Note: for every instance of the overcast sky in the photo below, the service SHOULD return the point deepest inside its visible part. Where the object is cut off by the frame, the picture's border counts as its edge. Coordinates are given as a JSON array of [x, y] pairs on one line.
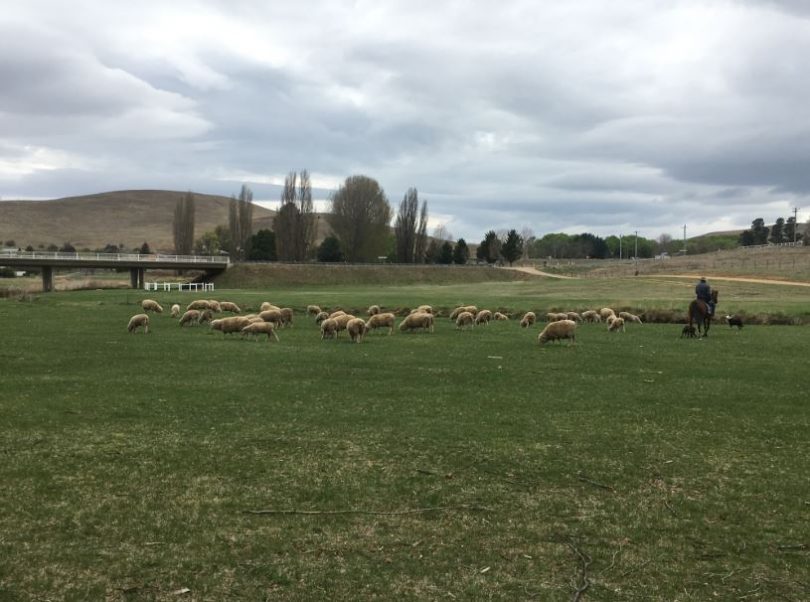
[[582, 115]]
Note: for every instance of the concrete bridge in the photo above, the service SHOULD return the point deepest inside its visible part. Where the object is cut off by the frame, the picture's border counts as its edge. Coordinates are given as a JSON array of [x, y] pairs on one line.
[[137, 263]]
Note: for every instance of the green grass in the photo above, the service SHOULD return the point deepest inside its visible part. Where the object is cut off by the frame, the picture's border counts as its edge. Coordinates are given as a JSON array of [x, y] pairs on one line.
[[678, 466]]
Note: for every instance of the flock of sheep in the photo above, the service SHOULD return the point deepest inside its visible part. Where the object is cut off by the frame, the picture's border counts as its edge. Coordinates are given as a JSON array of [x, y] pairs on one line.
[[270, 318]]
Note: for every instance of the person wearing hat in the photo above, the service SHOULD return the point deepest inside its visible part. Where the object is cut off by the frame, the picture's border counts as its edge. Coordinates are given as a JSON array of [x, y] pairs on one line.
[[704, 293]]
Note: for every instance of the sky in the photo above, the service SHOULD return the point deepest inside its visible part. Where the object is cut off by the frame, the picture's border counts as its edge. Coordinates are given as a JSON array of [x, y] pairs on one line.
[[577, 116]]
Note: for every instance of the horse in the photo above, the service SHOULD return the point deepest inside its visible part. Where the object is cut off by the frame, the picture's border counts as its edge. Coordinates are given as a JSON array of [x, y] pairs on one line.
[[699, 314]]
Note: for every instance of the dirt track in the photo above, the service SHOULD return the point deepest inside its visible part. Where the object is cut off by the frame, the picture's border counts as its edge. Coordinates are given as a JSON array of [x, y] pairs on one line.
[[536, 272]]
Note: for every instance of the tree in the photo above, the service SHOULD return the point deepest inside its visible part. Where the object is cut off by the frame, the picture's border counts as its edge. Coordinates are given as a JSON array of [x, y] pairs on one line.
[[405, 227], [441, 232], [461, 253], [240, 222], [10, 243], [490, 247], [512, 247], [29, 248], [527, 234], [778, 232], [445, 253], [329, 250], [145, 250], [790, 230], [664, 241], [432, 252], [360, 216], [294, 224], [760, 231], [420, 245], [207, 244], [66, 248], [183, 225], [263, 246], [746, 238]]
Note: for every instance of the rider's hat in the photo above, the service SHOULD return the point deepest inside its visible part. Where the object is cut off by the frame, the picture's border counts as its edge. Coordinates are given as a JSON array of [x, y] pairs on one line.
[[703, 278]]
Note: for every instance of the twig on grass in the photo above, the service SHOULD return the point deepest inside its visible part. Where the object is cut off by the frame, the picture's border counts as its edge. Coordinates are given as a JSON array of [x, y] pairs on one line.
[[582, 477], [585, 560], [791, 546], [374, 512]]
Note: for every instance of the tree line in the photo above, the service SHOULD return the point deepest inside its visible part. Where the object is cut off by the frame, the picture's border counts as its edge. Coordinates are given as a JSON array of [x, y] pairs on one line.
[[782, 231]]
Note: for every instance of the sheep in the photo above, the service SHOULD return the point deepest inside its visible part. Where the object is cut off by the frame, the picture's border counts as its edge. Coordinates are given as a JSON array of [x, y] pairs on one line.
[[628, 317], [373, 310], [137, 321], [483, 317], [557, 331], [230, 325], [572, 315], [462, 308], [337, 313], [605, 312], [256, 319], [272, 315], [528, 319], [321, 317], [499, 316], [230, 307], [260, 327], [356, 328], [734, 320], [287, 314], [425, 308], [192, 317], [151, 305], [198, 304], [591, 316], [556, 317], [214, 306], [268, 306], [206, 315], [313, 310], [417, 320], [463, 319], [328, 328], [609, 319], [342, 321], [381, 321], [175, 311], [616, 325]]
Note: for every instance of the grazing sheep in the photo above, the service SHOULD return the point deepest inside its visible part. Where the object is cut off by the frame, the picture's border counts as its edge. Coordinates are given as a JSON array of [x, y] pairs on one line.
[[198, 304], [192, 317], [337, 313], [151, 305], [373, 310], [499, 316], [628, 317], [556, 317], [428, 309], [356, 328], [616, 324], [321, 317], [214, 306], [381, 321], [469, 308], [273, 315], [268, 306], [231, 307], [342, 321], [689, 331], [463, 319], [261, 327], [557, 331], [734, 320], [206, 315], [417, 320], [483, 317], [591, 316], [230, 325], [287, 314], [313, 310], [572, 315], [605, 312], [528, 319], [329, 328], [137, 321], [175, 310], [256, 319]]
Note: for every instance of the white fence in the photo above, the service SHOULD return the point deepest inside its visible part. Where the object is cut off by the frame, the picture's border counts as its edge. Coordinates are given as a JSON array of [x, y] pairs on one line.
[[156, 257], [180, 286]]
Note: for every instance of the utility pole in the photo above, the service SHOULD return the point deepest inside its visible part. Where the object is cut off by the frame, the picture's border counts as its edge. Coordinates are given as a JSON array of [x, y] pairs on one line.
[[684, 239], [635, 252]]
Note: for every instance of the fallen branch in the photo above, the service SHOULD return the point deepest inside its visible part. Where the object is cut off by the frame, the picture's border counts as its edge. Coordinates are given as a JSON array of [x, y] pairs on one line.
[[791, 546], [585, 479], [373, 512], [586, 561]]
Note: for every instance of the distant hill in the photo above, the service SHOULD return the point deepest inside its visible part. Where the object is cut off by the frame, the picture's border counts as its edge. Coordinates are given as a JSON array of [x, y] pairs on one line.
[[127, 217]]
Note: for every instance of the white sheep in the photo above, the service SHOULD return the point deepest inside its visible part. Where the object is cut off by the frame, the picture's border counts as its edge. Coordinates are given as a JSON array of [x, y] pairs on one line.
[[229, 325], [628, 317], [373, 310], [616, 324], [230, 307], [313, 310], [605, 312], [192, 317], [273, 315], [498, 316], [528, 319], [356, 328], [572, 315], [214, 306], [336, 313], [206, 315], [342, 321], [463, 319], [287, 314], [175, 310], [591, 316], [261, 327], [557, 331], [137, 321], [428, 309], [556, 317], [417, 320], [198, 304], [329, 328], [483, 317], [469, 308], [321, 317], [266, 306], [151, 305], [381, 321]]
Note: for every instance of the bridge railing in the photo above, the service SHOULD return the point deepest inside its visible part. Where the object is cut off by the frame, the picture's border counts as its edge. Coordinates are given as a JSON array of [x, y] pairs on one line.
[[156, 257]]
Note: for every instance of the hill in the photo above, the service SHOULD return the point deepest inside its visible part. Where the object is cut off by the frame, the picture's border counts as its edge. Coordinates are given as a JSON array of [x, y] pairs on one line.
[[127, 217]]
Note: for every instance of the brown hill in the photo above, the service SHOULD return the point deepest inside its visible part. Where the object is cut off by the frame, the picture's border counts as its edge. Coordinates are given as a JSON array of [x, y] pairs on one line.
[[127, 217]]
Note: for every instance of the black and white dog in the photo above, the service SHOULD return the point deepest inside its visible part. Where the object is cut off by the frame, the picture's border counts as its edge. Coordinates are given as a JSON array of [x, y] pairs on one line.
[[734, 321]]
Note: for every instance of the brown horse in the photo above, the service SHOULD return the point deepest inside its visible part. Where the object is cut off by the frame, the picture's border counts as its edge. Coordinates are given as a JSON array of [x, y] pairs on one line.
[[699, 314]]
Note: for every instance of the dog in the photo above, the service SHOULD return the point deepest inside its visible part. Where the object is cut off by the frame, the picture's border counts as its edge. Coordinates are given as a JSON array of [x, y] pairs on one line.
[[734, 321], [690, 332]]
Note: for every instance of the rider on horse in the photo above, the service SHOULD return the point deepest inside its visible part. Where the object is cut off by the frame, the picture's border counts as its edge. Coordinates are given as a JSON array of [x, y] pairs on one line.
[[704, 293]]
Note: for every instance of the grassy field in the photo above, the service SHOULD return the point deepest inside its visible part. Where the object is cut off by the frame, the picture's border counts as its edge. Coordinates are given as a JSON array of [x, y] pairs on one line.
[[454, 465]]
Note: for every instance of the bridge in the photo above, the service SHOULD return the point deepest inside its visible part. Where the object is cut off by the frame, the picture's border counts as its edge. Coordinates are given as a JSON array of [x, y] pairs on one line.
[[137, 263]]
